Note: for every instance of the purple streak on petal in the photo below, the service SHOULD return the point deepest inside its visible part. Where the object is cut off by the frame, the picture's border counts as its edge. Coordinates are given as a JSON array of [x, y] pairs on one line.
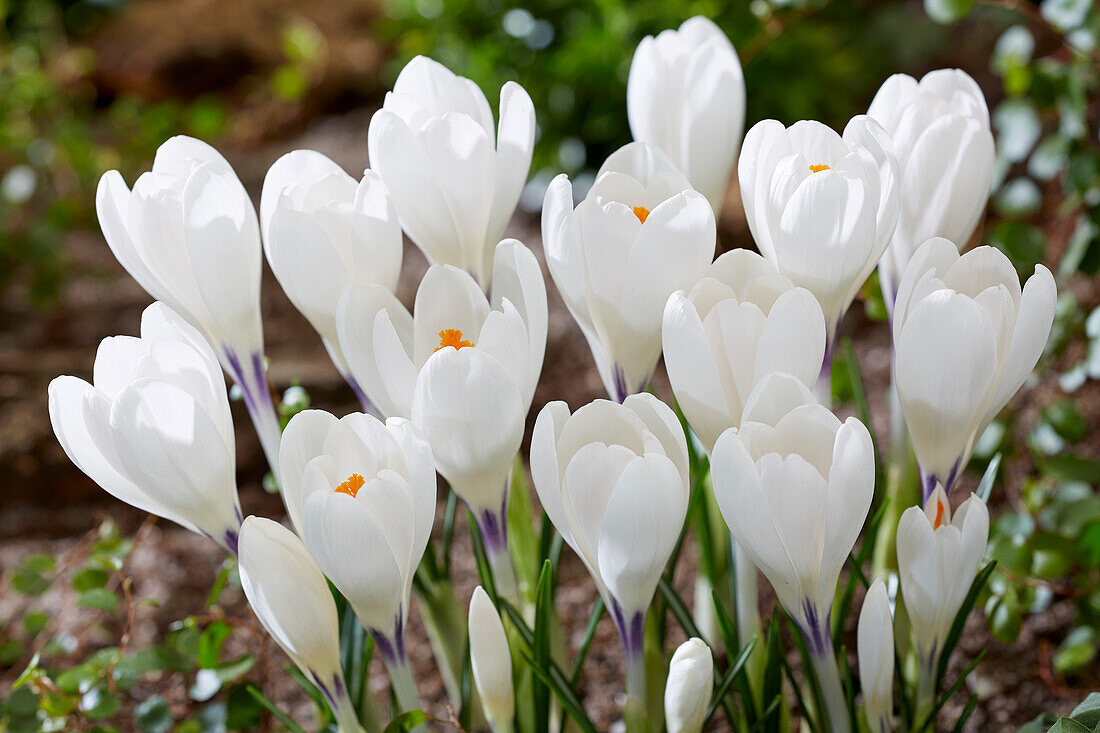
[[816, 629], [631, 631], [364, 400], [621, 390], [494, 527], [392, 647], [322, 686], [231, 540]]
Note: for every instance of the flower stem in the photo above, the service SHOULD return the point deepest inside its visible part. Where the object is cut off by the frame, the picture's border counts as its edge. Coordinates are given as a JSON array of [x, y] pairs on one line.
[[815, 629], [832, 692], [631, 627], [403, 684], [926, 690]]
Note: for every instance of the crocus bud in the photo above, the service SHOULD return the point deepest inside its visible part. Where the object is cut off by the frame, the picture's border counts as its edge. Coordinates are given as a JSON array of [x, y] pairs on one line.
[[491, 661], [640, 235], [454, 182], [686, 95], [875, 647], [966, 336], [820, 206], [690, 683], [738, 324], [794, 485], [938, 558], [324, 231], [614, 481], [154, 428], [290, 596], [188, 234], [940, 131]]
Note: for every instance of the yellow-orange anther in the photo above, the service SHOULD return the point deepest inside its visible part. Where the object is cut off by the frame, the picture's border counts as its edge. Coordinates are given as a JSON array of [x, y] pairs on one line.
[[939, 514], [641, 212], [351, 486], [452, 337], [818, 168]]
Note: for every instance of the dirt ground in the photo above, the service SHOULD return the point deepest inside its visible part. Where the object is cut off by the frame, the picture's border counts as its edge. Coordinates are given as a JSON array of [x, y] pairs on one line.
[[46, 505]]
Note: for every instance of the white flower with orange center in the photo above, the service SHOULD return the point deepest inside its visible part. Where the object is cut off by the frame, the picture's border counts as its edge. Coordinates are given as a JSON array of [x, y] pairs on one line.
[[821, 206], [462, 369], [640, 235], [939, 553], [361, 493]]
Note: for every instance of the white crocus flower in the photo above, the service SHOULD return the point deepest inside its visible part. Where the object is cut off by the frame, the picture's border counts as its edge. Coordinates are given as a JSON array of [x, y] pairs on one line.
[[614, 481], [966, 337], [940, 130], [686, 95], [324, 231], [491, 662], [875, 647], [454, 182], [739, 323], [938, 559], [361, 493], [154, 428], [291, 598], [794, 485], [640, 235], [188, 234], [690, 683], [462, 370], [821, 206]]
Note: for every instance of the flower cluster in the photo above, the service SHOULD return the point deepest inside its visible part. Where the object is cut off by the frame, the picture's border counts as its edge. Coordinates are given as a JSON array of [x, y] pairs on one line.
[[747, 341]]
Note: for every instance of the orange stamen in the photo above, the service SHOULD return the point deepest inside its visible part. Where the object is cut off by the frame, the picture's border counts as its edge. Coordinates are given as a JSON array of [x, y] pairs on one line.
[[939, 514], [452, 337], [351, 486], [818, 168], [641, 212]]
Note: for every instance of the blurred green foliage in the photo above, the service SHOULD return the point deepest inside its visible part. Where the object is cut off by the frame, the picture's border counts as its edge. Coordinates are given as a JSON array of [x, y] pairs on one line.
[[57, 136], [809, 59]]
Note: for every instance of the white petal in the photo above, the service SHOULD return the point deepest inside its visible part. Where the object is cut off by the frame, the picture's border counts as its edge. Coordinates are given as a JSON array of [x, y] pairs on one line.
[[302, 441], [645, 513], [470, 411]]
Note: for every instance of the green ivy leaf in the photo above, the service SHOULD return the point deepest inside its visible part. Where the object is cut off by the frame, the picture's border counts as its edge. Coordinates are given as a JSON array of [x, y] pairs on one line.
[[100, 598], [406, 722], [210, 644], [1088, 712], [90, 578], [99, 702], [153, 715]]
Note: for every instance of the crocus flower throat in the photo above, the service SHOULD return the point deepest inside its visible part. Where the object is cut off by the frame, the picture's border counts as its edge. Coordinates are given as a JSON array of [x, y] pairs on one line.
[[452, 337], [351, 485]]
